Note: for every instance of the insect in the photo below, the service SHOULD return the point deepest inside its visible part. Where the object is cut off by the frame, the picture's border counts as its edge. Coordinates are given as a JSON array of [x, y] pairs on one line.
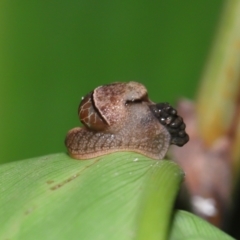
[[121, 117]]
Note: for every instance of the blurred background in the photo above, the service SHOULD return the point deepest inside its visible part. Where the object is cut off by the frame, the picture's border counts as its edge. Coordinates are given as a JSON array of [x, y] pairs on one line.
[[54, 52]]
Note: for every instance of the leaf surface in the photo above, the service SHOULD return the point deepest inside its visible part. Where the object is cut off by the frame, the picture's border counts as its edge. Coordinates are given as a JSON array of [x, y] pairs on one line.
[[119, 196]]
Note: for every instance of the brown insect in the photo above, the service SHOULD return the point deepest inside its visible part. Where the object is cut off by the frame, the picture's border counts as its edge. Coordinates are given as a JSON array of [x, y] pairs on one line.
[[121, 117]]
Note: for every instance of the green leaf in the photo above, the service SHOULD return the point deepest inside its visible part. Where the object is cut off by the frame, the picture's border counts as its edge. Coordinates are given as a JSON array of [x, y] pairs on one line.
[[187, 226], [118, 196]]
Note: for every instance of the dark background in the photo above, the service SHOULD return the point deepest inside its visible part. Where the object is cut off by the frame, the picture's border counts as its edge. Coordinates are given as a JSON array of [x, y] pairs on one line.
[[54, 52]]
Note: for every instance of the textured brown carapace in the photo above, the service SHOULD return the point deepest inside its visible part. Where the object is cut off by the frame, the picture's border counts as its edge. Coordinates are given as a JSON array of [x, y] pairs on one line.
[[120, 117]]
